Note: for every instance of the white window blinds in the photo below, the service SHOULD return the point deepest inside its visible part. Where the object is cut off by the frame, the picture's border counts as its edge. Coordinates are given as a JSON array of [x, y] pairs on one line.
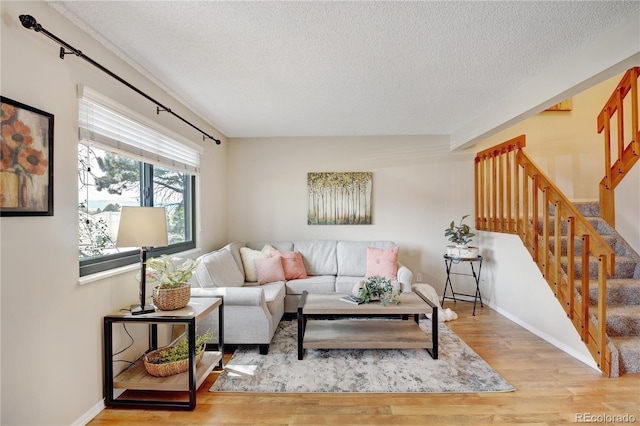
[[116, 128]]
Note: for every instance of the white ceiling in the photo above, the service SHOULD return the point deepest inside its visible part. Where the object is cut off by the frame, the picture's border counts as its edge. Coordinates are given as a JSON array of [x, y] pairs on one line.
[[262, 69]]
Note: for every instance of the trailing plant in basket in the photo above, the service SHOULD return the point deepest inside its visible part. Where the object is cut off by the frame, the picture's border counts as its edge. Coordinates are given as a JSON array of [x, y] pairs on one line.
[[461, 234], [168, 273], [180, 351], [378, 287]]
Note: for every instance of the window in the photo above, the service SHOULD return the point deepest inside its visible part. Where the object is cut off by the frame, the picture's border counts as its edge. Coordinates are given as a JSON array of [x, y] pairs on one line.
[[122, 161]]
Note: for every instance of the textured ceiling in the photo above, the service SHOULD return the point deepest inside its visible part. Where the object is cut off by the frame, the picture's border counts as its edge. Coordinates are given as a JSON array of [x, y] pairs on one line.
[[259, 69]]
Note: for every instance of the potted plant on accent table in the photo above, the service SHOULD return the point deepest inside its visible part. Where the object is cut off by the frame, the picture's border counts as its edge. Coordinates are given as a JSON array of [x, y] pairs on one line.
[[460, 235], [173, 291]]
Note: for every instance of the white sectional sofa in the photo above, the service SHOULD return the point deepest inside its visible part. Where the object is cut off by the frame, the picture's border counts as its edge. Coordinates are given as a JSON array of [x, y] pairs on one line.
[[252, 311]]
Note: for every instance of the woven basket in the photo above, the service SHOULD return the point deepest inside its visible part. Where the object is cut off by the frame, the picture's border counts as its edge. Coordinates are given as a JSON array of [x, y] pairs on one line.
[[169, 299], [169, 368]]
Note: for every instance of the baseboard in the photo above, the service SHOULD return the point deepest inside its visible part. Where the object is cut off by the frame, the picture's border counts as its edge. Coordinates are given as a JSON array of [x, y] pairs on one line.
[[89, 415], [544, 336]]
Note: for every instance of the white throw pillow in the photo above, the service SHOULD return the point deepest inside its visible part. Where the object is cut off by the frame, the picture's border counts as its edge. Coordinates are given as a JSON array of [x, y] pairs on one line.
[[248, 260]]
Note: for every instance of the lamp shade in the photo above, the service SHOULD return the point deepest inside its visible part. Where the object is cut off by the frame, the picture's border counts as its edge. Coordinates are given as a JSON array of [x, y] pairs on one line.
[[142, 227]]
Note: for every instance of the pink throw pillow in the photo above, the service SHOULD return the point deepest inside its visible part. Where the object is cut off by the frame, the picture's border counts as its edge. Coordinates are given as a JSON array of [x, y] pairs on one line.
[[292, 264], [269, 269], [382, 262]]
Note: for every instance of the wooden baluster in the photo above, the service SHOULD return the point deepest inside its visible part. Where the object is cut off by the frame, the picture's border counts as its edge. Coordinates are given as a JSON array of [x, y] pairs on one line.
[[535, 225], [557, 250], [620, 144], [509, 166], [602, 308], [635, 135], [585, 288], [571, 252], [501, 191], [516, 183], [545, 235]]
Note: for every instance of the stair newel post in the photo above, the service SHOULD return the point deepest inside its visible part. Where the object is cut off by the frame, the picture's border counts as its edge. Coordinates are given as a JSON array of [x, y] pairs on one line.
[[571, 252], [602, 310], [585, 288]]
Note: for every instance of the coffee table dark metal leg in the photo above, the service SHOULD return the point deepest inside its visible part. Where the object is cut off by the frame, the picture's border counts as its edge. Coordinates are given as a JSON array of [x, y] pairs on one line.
[[301, 325], [433, 351]]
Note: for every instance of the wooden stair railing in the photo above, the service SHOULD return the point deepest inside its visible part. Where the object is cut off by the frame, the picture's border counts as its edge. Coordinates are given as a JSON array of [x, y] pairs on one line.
[[618, 162], [514, 196]]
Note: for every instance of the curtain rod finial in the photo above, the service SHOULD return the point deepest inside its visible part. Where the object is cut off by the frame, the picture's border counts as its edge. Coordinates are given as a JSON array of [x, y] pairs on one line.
[[29, 22]]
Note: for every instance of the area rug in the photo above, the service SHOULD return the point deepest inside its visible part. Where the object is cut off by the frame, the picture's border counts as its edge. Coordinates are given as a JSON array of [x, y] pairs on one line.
[[458, 368]]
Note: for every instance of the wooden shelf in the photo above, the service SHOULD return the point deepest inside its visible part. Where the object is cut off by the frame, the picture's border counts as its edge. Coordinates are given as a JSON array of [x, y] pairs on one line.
[[137, 378], [370, 334]]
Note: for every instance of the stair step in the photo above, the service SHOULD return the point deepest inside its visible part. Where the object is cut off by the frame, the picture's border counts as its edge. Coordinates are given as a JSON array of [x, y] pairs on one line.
[[620, 291], [588, 208], [601, 227], [626, 267], [628, 353], [564, 243], [623, 321]]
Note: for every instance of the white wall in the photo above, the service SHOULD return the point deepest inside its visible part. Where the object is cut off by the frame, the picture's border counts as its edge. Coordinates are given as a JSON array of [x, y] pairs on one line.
[[419, 186], [51, 349], [627, 200]]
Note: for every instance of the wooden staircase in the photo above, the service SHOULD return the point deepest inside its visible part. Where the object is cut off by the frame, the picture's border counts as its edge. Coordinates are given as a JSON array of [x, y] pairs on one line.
[[622, 291], [575, 245]]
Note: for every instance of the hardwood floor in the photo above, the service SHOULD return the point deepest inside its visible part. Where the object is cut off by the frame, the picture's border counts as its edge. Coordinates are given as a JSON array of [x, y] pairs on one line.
[[551, 388]]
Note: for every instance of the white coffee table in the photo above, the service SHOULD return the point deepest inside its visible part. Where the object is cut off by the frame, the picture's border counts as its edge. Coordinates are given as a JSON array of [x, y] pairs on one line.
[[369, 333]]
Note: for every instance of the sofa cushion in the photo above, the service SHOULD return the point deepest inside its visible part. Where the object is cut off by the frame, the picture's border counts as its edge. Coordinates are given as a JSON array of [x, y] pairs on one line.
[[248, 260], [382, 262], [269, 269], [218, 269], [319, 256], [292, 264], [313, 284], [278, 245], [352, 256], [345, 284]]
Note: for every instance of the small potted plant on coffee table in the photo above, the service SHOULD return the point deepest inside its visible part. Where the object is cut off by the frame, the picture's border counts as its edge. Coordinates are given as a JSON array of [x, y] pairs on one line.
[[377, 288]]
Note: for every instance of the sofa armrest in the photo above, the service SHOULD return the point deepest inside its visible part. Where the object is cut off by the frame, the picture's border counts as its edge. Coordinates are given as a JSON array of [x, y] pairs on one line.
[[239, 296], [405, 277]]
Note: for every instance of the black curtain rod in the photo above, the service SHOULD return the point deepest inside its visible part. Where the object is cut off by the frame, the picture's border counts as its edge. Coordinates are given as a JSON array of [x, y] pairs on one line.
[[30, 22]]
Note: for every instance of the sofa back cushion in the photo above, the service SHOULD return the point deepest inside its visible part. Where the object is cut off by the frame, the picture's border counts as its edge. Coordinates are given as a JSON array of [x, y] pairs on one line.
[[218, 269], [319, 256], [352, 256], [278, 245]]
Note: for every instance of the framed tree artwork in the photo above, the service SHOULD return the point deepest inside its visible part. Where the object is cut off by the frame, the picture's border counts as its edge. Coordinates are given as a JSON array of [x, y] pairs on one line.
[[339, 198], [26, 167]]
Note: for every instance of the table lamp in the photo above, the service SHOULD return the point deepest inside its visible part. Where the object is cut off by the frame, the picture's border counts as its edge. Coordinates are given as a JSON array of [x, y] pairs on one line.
[[142, 227]]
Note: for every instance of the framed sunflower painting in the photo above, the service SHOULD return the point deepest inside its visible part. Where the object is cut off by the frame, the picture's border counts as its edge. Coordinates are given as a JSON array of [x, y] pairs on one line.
[[26, 167]]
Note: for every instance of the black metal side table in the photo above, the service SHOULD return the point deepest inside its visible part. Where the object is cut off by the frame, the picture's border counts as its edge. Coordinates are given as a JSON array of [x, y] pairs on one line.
[[449, 262], [136, 378]]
